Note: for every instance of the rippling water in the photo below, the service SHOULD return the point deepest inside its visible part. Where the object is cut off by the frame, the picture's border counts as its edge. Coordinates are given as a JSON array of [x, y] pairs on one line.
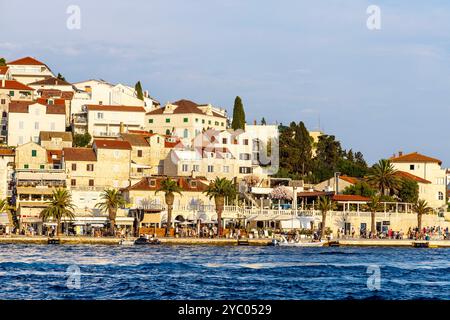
[[207, 272]]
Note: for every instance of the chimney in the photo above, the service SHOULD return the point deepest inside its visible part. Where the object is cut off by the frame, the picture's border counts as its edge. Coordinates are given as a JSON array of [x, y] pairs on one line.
[[254, 122], [400, 153]]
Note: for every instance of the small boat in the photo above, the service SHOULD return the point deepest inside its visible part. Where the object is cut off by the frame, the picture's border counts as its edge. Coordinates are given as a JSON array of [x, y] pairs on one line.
[[53, 241], [285, 243], [126, 242], [145, 241]]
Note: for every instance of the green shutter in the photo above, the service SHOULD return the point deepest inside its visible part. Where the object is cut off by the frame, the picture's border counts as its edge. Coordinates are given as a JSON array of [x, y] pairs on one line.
[[150, 120], [25, 166], [33, 153], [185, 120], [167, 120]]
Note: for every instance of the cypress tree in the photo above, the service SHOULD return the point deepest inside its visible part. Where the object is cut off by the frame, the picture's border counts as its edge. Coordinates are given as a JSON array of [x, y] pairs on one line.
[[238, 115], [139, 93], [2, 62], [263, 121]]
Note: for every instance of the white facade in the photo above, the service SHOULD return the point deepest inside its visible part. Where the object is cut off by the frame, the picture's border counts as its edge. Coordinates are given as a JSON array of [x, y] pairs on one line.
[[28, 70], [25, 126]]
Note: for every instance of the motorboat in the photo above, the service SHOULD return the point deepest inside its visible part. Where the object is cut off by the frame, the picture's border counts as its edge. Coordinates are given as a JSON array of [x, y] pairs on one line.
[[284, 243], [126, 242], [146, 241]]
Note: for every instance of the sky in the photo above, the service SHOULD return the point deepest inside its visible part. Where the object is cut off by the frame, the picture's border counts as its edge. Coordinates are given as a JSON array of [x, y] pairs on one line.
[[378, 91]]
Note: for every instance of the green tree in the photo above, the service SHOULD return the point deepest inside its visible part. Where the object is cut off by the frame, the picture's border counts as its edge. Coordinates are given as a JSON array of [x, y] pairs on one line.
[[81, 140], [325, 204], [383, 176], [111, 201], [220, 189], [169, 187], [5, 207], [61, 77], [58, 207], [2, 62], [374, 205], [139, 92], [263, 121], [420, 208], [238, 115], [328, 154], [408, 190], [360, 188]]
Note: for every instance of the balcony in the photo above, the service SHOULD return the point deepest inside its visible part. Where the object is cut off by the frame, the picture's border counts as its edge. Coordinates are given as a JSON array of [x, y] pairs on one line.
[[106, 134], [80, 120]]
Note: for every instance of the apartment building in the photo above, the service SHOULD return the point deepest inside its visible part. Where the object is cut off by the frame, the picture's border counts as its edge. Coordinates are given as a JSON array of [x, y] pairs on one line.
[[185, 119], [55, 140], [27, 70], [429, 174], [16, 90], [27, 119]]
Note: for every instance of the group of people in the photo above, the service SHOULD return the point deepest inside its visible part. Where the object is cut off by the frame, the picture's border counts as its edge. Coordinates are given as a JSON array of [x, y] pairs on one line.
[[429, 233]]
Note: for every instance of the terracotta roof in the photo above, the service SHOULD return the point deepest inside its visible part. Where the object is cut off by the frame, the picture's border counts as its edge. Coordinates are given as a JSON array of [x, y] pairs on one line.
[[352, 180], [92, 107], [51, 81], [306, 194], [48, 135], [55, 101], [56, 153], [137, 140], [112, 144], [3, 69], [184, 107], [349, 197], [15, 85], [143, 132], [55, 93], [26, 61], [414, 157], [79, 154], [22, 107], [183, 182], [407, 175], [176, 143], [6, 152]]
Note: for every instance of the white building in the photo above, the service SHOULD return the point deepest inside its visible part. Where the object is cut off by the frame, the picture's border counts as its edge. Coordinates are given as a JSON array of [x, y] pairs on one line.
[[6, 172], [27, 119], [27, 70], [432, 178]]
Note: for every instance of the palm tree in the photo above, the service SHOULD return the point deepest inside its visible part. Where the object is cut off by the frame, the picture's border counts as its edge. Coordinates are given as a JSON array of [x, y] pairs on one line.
[[219, 189], [169, 187], [58, 207], [112, 200], [325, 204], [384, 177], [420, 208], [374, 205]]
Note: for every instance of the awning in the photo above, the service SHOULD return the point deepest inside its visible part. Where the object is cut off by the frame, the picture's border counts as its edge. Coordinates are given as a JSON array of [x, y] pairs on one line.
[[34, 190], [152, 218], [4, 219]]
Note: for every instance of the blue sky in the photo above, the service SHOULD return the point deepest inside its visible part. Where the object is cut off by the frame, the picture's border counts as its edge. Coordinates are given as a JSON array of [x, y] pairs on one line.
[[378, 91]]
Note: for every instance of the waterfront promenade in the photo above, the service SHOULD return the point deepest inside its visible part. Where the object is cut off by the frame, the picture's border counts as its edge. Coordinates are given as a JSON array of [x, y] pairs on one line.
[[218, 242]]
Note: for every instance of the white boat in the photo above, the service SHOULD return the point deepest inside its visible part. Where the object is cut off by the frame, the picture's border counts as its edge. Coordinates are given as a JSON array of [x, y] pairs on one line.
[[284, 243], [125, 242]]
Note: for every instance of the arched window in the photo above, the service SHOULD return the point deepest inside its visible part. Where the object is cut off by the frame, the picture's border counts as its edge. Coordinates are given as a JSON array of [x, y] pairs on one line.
[[440, 196], [168, 132]]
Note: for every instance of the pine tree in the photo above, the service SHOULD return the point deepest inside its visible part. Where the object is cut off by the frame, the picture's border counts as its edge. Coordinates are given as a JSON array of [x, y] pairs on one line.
[[263, 121], [139, 93], [238, 115], [2, 62], [60, 77]]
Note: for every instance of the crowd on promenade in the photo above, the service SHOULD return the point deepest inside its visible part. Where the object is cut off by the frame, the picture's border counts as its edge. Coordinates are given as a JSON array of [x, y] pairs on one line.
[[426, 233]]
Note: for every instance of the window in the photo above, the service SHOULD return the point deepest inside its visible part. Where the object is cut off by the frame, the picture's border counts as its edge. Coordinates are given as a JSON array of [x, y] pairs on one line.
[[185, 120], [42, 167], [99, 115], [152, 183], [151, 131], [440, 196], [36, 139], [224, 141], [36, 126], [3, 101], [11, 93], [216, 123], [196, 119], [245, 142], [210, 168], [91, 182], [196, 168], [203, 120], [20, 124], [150, 120], [33, 153], [73, 182], [116, 153], [184, 168], [226, 169], [411, 167], [74, 167], [222, 124], [209, 121], [140, 170], [193, 184], [90, 167], [245, 170], [139, 153], [440, 181], [244, 156], [168, 132], [25, 166], [167, 120], [185, 133]]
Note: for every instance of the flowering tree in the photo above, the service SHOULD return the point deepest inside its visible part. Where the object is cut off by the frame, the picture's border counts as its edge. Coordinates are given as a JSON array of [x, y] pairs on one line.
[[281, 193], [251, 180]]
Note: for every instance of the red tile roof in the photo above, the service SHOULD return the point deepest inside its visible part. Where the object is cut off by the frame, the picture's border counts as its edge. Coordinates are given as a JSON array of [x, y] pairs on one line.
[[3, 69], [22, 107], [415, 157], [51, 81], [26, 61], [112, 144], [306, 194], [184, 107], [176, 142], [349, 197], [95, 107], [15, 85], [138, 140], [183, 182], [349, 179], [407, 175], [55, 93], [79, 154], [6, 152], [56, 153]]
